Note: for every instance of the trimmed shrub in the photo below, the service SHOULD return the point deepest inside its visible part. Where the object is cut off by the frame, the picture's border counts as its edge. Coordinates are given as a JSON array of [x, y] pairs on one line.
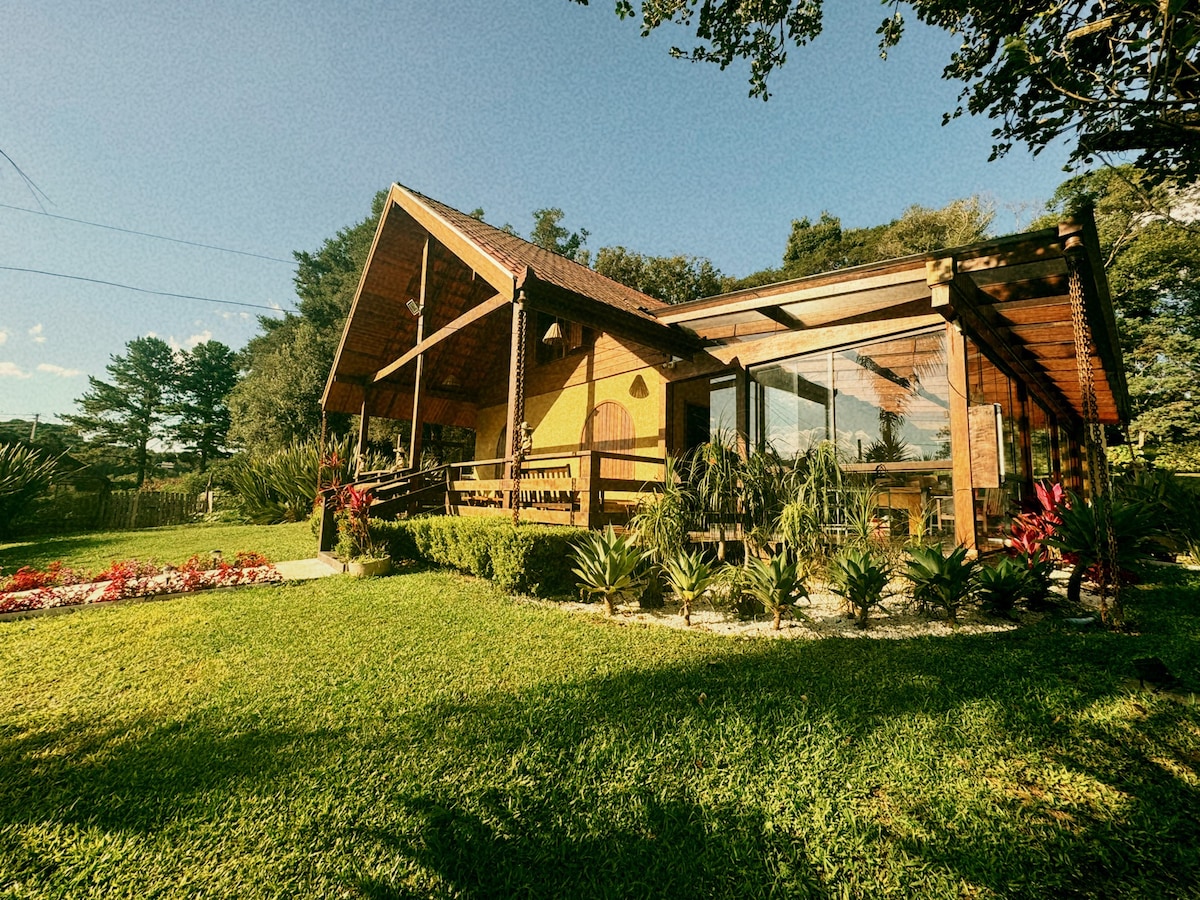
[[529, 559]]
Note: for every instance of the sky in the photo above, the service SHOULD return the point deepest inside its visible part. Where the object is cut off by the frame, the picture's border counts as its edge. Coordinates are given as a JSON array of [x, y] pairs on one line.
[[265, 128]]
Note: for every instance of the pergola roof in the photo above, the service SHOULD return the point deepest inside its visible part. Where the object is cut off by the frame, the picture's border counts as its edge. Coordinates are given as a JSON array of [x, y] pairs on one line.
[[472, 272], [1010, 295]]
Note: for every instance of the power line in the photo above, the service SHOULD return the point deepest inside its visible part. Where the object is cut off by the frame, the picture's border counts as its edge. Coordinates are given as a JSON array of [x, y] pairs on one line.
[[160, 237], [140, 290]]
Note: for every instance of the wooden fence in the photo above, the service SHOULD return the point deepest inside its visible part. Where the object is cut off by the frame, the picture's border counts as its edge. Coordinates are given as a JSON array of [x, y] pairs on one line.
[[67, 510]]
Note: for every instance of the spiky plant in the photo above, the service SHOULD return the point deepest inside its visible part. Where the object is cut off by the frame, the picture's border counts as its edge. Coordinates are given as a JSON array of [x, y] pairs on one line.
[[860, 576], [1002, 584], [716, 471], [689, 577], [861, 512], [25, 472], [281, 486], [662, 520], [946, 581], [776, 583], [606, 564]]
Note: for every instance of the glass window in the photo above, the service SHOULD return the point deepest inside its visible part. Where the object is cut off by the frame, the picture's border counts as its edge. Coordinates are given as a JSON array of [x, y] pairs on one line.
[[1039, 442], [791, 409], [892, 400]]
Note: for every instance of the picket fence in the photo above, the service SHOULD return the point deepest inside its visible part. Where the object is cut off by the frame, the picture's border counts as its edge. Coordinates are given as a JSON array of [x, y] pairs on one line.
[[117, 510]]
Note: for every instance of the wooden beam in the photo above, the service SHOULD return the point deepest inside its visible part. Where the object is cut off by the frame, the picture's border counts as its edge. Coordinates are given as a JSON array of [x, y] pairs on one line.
[[791, 343], [364, 427], [979, 319], [962, 485], [472, 315], [479, 260], [801, 292], [414, 443]]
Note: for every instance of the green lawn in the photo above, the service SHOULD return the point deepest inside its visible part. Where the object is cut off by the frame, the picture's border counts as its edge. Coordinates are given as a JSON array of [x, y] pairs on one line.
[[170, 544], [425, 736]]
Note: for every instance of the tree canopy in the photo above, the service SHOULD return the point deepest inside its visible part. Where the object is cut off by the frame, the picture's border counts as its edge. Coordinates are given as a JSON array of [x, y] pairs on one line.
[[131, 410], [1113, 75], [673, 279], [1150, 238], [278, 399]]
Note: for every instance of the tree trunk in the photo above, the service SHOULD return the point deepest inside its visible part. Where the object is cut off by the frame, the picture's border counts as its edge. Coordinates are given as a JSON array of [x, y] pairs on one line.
[[778, 618], [608, 605], [863, 612], [687, 614]]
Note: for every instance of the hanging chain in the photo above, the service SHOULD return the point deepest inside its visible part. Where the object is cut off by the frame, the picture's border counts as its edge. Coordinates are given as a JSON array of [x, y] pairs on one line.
[[1097, 458], [517, 438]]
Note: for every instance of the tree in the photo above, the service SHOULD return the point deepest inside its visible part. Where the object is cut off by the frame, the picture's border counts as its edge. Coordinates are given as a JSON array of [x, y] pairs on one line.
[[1115, 75], [673, 279], [206, 376], [549, 235], [1150, 239], [824, 245], [279, 398], [132, 410]]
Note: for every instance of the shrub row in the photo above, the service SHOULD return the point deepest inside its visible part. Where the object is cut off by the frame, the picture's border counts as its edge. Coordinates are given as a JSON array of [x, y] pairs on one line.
[[528, 559]]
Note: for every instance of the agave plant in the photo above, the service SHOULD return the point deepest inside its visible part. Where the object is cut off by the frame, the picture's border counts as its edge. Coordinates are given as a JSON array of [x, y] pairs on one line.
[[860, 576], [945, 581], [281, 486], [689, 576], [776, 583], [1001, 585], [606, 564], [24, 474]]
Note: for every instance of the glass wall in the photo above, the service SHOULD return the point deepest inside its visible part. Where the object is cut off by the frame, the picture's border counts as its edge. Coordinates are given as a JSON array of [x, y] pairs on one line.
[[886, 406]]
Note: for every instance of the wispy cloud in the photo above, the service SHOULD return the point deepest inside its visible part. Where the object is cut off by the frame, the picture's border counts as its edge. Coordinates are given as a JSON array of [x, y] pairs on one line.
[[190, 341], [239, 316], [36, 333], [60, 371], [3, 336], [12, 370]]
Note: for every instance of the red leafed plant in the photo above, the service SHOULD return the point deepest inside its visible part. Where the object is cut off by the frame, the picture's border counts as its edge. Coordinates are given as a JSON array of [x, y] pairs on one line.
[[30, 589], [1030, 530]]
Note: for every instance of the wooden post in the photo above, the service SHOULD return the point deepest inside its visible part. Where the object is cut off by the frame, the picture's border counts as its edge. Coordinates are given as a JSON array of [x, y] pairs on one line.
[[516, 388], [418, 425], [960, 439], [1025, 436], [741, 385], [364, 428]]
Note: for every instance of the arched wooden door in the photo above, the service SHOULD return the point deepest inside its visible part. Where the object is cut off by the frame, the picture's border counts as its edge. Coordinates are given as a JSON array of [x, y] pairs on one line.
[[609, 427]]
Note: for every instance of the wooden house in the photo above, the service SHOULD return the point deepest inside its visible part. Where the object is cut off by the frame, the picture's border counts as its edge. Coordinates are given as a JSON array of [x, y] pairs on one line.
[[952, 378]]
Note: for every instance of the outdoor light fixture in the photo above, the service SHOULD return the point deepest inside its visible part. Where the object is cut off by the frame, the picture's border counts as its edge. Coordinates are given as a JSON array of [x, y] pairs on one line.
[[554, 334], [413, 307], [451, 383]]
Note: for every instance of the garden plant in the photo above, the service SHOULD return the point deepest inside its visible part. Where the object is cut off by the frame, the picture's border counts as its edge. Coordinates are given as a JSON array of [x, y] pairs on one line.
[[606, 564], [689, 577], [860, 576]]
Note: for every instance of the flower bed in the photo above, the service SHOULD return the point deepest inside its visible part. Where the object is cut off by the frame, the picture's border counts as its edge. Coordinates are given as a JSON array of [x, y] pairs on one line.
[[29, 589]]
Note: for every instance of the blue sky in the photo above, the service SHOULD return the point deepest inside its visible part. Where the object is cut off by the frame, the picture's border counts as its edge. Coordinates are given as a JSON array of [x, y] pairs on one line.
[[267, 127]]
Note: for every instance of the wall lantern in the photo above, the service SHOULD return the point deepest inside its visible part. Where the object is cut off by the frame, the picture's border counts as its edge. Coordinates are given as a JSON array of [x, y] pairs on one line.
[[413, 307]]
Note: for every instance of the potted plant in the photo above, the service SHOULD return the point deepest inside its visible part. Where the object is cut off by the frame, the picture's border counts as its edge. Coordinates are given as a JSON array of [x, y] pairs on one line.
[[355, 548]]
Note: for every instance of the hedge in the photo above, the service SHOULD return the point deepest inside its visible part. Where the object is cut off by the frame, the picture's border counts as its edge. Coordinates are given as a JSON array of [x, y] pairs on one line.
[[527, 559]]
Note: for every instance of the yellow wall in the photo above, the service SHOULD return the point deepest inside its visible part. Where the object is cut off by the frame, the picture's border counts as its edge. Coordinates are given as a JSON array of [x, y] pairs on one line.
[[558, 417]]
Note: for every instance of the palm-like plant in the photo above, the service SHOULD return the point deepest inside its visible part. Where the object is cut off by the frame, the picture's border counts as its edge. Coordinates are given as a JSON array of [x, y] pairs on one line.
[[1077, 538], [716, 470], [945, 581], [689, 576], [776, 583], [607, 565], [661, 522], [860, 577], [815, 501]]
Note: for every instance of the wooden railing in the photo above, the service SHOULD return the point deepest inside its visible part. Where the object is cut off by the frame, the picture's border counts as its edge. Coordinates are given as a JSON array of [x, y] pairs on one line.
[[555, 489]]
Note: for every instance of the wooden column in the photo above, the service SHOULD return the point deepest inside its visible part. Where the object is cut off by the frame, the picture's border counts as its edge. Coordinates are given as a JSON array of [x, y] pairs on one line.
[[741, 384], [364, 428], [1025, 437], [960, 439], [418, 424], [516, 391]]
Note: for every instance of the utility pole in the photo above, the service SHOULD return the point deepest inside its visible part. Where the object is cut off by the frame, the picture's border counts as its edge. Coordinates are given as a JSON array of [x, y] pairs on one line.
[[33, 430]]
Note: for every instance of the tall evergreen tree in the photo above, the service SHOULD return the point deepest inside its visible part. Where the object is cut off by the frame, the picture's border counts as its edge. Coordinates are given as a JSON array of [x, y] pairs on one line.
[[206, 376], [132, 410]]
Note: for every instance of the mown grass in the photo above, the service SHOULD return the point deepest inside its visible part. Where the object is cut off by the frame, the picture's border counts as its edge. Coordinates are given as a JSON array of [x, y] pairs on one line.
[[170, 544], [426, 736]]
